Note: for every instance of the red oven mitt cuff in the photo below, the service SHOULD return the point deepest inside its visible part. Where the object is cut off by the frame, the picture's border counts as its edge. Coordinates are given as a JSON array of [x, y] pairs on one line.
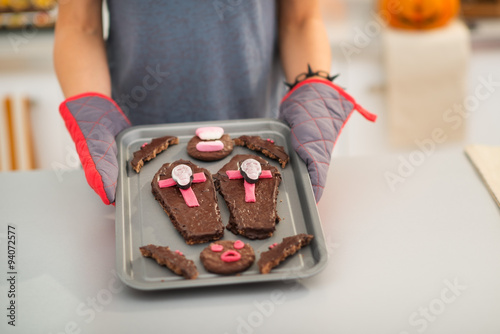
[[93, 121]]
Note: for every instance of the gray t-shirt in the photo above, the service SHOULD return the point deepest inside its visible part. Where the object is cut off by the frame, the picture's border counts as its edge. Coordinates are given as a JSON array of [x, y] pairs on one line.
[[187, 60]]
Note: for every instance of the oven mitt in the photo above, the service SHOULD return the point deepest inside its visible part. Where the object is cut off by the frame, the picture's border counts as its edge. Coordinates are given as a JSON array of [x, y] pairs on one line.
[[316, 111], [93, 120]]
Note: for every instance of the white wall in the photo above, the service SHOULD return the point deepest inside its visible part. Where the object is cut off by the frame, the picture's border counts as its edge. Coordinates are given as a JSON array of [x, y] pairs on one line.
[[26, 70]]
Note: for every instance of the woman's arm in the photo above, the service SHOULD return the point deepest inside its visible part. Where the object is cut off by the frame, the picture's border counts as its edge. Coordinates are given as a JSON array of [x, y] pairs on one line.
[[79, 52], [302, 37]]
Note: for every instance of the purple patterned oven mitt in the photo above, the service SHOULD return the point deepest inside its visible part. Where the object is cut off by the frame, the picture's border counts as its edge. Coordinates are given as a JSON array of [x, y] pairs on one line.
[[316, 111], [93, 120]]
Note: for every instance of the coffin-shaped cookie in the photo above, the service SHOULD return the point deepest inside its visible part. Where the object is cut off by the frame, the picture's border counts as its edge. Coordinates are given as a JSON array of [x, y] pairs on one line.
[[187, 194], [249, 185]]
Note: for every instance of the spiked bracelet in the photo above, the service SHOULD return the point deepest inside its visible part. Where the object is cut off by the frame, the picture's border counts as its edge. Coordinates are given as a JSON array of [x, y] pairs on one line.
[[310, 74]]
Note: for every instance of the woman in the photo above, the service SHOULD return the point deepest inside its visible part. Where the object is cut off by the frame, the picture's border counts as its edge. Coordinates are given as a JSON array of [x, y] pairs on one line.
[[186, 60]]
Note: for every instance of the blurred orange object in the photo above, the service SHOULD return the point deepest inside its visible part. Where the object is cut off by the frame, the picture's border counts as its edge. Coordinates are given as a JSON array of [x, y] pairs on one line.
[[418, 14]]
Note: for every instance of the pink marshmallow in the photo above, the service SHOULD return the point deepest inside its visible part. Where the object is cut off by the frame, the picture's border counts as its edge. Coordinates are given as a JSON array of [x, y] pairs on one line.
[[210, 132], [210, 146]]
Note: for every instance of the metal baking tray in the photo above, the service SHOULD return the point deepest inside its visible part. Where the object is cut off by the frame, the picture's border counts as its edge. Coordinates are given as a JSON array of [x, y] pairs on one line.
[[140, 220]]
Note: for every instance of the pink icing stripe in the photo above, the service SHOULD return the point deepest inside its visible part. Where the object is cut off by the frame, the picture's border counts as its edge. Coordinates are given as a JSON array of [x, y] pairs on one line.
[[238, 244], [249, 192], [230, 256], [216, 248], [188, 194], [210, 146], [189, 197], [266, 174], [199, 177], [234, 174], [166, 183], [249, 188]]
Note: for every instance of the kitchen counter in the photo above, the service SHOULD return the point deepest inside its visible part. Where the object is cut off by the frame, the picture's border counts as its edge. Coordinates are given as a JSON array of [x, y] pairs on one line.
[[413, 241]]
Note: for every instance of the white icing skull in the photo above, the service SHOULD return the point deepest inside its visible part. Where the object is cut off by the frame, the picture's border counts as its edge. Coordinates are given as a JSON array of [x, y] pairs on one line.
[[182, 175], [251, 169]]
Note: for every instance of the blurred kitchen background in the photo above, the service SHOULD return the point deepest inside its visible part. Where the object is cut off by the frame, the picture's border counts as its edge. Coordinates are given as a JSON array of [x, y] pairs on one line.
[[439, 85]]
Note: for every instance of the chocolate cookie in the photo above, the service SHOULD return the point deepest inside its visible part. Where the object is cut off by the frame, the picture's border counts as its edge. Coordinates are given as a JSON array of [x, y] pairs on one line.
[[187, 194], [227, 257], [277, 253], [149, 151], [175, 261], [210, 144], [225, 148], [251, 203], [266, 147]]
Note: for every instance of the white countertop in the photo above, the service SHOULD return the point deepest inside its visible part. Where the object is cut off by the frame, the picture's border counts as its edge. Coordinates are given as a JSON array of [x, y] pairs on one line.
[[423, 258]]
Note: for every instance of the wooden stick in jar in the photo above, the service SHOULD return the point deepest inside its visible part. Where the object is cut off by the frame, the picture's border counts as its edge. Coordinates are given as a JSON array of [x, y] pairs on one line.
[[28, 134], [11, 132]]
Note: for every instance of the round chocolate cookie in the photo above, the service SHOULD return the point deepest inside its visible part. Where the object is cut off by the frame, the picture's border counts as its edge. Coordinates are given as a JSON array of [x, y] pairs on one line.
[[227, 257], [210, 156]]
